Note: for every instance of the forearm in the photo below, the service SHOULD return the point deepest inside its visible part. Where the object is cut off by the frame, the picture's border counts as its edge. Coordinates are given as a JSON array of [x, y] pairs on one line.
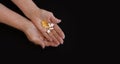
[[11, 18], [27, 6]]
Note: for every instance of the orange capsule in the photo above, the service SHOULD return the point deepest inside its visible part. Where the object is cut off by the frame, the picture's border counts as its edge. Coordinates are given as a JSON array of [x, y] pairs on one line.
[[45, 24]]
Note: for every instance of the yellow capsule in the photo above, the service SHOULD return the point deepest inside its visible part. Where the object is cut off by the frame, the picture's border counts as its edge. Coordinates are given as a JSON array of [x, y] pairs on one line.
[[45, 24]]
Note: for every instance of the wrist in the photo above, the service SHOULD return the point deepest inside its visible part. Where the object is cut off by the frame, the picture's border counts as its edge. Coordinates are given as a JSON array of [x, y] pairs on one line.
[[28, 7]]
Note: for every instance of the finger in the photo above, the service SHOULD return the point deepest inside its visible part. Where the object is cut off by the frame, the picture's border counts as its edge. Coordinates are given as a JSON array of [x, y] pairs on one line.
[[38, 41], [55, 20], [53, 37], [41, 38], [44, 40], [59, 31], [57, 36], [47, 36], [48, 43], [41, 43], [35, 38]]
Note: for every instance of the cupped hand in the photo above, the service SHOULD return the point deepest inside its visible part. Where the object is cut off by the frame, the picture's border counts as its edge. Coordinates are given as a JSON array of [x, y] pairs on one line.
[[40, 15], [37, 15], [35, 36]]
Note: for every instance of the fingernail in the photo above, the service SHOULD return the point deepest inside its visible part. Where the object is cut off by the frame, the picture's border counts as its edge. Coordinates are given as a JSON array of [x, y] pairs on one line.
[[62, 42], [56, 45], [59, 20], [43, 47], [63, 37]]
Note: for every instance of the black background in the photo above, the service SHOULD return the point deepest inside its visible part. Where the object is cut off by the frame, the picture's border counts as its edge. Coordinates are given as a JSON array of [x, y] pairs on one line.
[[14, 42], [83, 23]]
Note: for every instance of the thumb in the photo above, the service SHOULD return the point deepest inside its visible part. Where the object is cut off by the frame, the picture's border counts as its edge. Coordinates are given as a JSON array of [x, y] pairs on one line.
[[55, 20]]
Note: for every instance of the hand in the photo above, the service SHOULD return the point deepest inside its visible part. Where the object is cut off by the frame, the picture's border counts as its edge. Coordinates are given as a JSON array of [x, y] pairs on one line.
[[40, 15], [56, 35], [35, 36], [17, 21], [37, 15]]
